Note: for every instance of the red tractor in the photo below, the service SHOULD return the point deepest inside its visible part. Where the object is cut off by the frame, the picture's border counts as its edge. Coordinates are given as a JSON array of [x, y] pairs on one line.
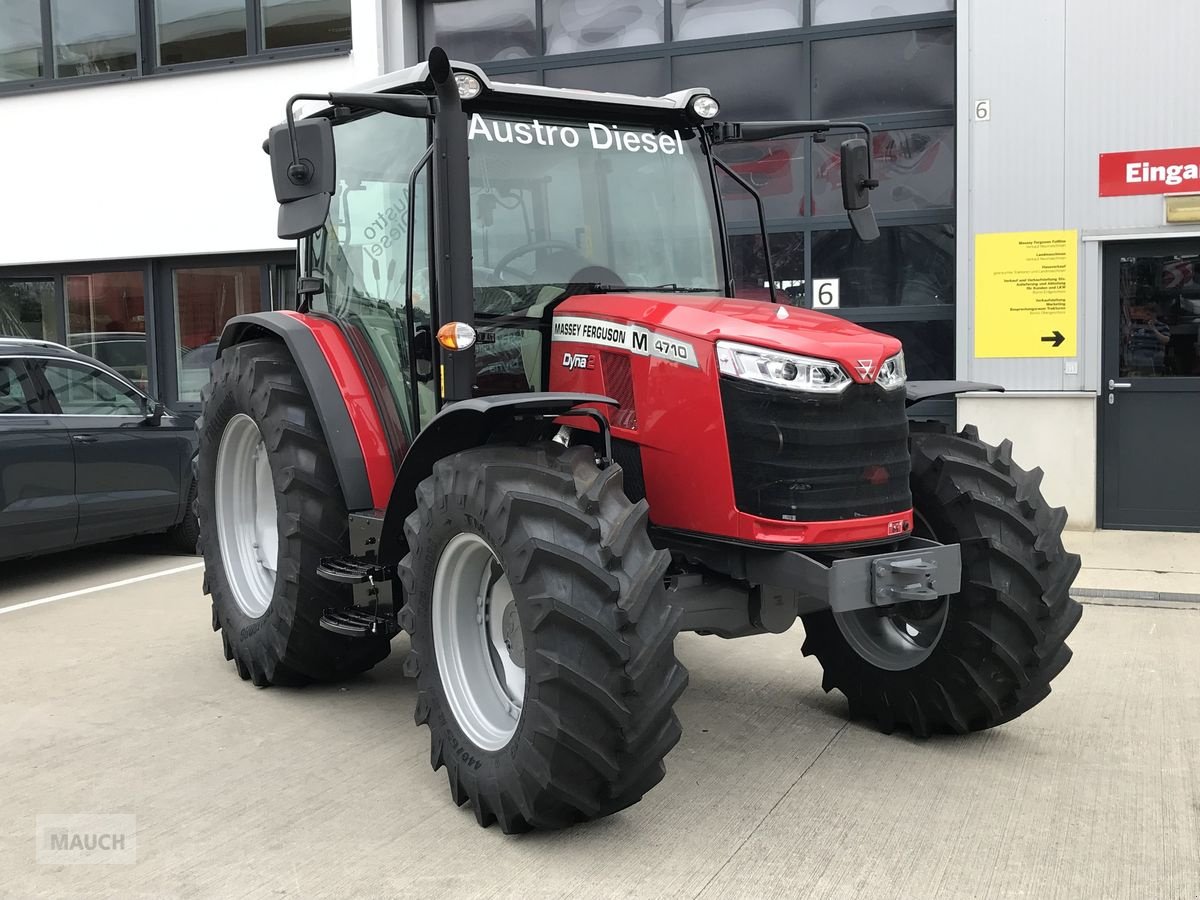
[[519, 416]]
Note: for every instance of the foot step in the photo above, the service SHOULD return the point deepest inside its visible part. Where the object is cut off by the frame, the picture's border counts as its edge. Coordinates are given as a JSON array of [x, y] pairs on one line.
[[357, 623], [352, 570]]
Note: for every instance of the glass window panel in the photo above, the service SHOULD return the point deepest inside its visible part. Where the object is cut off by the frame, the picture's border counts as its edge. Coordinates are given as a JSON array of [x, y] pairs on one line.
[[914, 166], [876, 74], [95, 37], [573, 26], [908, 265], [83, 391], [647, 77], [826, 12], [21, 40], [928, 346], [775, 90], [694, 19], [297, 23], [774, 168], [205, 299], [750, 268], [483, 30], [518, 77], [106, 320], [1160, 316], [195, 30], [17, 393], [27, 308]]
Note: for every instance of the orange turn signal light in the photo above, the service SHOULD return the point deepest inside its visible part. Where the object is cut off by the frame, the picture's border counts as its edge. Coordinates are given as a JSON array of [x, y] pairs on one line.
[[456, 336]]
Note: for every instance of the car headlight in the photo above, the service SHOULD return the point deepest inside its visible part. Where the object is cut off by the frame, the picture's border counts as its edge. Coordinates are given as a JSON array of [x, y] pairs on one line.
[[892, 373], [786, 370]]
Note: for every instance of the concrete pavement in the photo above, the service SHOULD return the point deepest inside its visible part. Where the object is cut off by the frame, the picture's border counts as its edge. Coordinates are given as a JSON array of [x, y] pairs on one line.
[[1146, 565], [119, 701]]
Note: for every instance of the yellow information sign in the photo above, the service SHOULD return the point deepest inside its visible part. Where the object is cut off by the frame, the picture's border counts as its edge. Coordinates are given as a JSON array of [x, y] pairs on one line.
[[1026, 293]]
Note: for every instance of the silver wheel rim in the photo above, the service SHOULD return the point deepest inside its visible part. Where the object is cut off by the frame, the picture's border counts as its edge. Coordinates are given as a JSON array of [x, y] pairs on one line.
[[478, 641], [247, 526], [898, 637]]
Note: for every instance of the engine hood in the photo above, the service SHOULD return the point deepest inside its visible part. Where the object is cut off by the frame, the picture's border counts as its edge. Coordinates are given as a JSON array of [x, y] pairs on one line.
[[762, 324]]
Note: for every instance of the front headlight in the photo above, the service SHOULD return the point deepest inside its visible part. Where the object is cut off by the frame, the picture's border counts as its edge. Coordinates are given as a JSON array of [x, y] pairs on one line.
[[786, 370], [892, 373]]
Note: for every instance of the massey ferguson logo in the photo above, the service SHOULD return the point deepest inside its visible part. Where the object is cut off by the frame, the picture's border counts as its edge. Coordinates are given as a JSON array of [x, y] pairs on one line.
[[865, 368], [578, 361]]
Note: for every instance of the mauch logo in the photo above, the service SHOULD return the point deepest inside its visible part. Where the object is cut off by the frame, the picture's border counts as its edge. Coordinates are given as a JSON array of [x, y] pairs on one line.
[[865, 368], [579, 361], [64, 840]]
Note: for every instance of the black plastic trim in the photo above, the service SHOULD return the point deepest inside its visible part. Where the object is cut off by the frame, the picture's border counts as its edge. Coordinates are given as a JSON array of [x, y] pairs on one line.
[[916, 391], [326, 395]]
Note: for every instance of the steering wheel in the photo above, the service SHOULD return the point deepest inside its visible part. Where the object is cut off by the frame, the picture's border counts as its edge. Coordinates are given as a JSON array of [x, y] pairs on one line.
[[503, 264]]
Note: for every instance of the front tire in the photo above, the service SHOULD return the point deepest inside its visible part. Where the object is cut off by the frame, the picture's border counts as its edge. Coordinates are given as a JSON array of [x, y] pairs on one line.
[[270, 507], [539, 546], [986, 655]]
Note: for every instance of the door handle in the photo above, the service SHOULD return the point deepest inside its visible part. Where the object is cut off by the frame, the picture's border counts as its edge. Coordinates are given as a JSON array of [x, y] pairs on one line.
[[1114, 385], [84, 438]]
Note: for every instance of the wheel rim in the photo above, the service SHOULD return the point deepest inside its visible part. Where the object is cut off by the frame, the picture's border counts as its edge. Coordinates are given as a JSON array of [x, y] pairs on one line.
[[247, 526], [478, 641], [897, 637]]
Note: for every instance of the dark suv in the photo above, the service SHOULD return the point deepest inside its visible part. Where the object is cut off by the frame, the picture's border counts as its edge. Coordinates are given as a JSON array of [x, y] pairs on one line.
[[85, 456]]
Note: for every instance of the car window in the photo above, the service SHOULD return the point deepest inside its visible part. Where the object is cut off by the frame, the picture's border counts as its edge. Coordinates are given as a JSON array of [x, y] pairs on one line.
[[84, 391], [16, 390]]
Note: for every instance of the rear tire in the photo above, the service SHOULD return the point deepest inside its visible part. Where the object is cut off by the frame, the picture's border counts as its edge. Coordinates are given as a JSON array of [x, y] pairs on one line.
[[1002, 639], [276, 638], [595, 715]]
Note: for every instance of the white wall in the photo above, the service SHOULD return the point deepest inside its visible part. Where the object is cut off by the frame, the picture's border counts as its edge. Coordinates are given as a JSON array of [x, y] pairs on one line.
[[1056, 431], [160, 166]]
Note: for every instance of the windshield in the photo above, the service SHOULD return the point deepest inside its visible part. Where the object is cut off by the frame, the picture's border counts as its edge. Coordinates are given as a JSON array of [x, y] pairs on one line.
[[557, 204]]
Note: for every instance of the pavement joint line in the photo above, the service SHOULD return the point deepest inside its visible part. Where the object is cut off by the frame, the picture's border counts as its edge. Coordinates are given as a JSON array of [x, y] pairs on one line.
[[774, 806], [99, 587]]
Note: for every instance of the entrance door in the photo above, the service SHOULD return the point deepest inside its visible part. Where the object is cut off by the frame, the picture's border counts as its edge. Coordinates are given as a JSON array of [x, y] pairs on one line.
[[1150, 390]]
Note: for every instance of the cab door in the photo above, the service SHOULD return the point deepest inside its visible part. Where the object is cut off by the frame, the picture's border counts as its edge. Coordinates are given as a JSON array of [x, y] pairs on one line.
[[130, 473], [38, 510]]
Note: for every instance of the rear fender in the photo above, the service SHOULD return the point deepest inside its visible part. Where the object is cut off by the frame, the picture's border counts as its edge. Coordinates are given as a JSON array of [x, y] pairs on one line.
[[348, 417], [461, 426]]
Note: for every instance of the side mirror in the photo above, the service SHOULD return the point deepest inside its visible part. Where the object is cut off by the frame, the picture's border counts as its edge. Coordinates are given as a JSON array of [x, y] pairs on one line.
[[857, 184], [152, 411], [305, 185]]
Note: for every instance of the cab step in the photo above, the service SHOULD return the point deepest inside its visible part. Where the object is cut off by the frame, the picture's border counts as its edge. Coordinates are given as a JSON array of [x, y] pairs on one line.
[[353, 570], [357, 623]]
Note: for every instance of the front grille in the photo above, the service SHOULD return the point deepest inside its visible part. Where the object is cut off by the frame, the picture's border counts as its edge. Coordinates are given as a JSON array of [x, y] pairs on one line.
[[805, 457]]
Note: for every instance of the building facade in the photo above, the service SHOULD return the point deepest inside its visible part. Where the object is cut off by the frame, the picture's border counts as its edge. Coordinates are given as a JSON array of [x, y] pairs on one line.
[[141, 215]]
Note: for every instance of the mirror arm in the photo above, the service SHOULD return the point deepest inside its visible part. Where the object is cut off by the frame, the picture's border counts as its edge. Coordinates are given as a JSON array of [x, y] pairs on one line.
[[762, 220]]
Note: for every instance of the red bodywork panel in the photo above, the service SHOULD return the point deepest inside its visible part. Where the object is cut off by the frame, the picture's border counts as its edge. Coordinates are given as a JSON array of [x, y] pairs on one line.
[[364, 416], [679, 422]]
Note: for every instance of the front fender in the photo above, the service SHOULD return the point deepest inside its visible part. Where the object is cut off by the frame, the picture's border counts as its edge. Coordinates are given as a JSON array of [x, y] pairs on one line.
[[916, 391], [461, 426]]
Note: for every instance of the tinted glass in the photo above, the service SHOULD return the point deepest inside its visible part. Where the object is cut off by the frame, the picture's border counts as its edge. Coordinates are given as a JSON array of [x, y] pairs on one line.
[[573, 26], [205, 299], [928, 346], [83, 391], [694, 19], [27, 308], [897, 72], [760, 83], [825, 12], [914, 166], [106, 320], [647, 77], [909, 265], [195, 30], [20, 40], [94, 37], [750, 269], [17, 395], [774, 168], [1160, 316], [483, 30], [295, 23], [519, 77]]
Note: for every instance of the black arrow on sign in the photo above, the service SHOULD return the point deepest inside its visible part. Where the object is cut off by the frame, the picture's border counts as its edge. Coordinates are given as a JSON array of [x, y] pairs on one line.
[[1056, 338]]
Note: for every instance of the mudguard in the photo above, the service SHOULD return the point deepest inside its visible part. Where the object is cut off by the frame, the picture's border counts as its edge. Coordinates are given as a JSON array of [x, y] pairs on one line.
[[461, 426], [916, 391]]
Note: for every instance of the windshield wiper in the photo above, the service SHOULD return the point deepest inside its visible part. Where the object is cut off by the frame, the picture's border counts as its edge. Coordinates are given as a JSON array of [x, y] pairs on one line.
[[669, 288]]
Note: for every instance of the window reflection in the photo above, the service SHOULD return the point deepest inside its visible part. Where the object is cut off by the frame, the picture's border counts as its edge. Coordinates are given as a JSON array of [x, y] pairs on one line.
[[94, 38], [21, 40], [295, 23], [196, 30], [908, 265], [1160, 316], [827, 12], [694, 19], [27, 308], [106, 320], [483, 30], [573, 26], [876, 74], [205, 299], [774, 168], [914, 166]]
